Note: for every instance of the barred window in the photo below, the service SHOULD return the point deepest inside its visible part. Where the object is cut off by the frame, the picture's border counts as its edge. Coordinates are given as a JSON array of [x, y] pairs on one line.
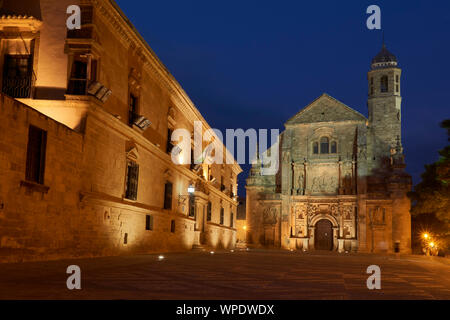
[[17, 75], [191, 206], [232, 220], [132, 109], [222, 216], [169, 145], [148, 222], [132, 179], [208, 212], [168, 196]]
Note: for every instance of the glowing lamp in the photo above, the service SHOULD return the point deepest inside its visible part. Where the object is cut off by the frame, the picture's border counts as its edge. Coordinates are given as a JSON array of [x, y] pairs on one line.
[[191, 189]]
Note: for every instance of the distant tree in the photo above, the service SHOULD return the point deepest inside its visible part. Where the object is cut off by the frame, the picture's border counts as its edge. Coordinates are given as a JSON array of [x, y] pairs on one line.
[[432, 194]]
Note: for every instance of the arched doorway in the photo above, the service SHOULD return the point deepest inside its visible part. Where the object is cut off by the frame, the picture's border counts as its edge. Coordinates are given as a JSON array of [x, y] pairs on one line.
[[324, 235]]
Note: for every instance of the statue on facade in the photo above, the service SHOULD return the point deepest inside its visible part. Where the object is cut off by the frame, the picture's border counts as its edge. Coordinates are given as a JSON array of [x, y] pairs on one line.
[[300, 183]]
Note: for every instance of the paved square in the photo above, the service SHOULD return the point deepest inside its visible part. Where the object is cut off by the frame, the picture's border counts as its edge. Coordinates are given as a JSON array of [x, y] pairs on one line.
[[254, 274]]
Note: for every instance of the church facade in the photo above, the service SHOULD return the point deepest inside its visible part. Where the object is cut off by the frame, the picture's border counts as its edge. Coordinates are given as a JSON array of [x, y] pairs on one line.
[[341, 183]]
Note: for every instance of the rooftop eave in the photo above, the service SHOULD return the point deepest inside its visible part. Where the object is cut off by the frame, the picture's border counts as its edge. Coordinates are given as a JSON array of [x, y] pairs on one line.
[[19, 23]]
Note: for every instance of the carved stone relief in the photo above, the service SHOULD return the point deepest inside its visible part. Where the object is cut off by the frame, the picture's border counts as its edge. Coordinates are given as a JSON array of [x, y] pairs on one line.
[[324, 184], [377, 215], [270, 215]]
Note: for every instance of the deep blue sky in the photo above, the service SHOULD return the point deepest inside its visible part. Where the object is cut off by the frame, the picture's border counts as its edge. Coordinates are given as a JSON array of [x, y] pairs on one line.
[[254, 64]]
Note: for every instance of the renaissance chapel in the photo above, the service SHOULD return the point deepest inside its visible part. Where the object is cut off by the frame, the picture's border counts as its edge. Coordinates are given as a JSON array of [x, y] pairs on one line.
[[341, 183]]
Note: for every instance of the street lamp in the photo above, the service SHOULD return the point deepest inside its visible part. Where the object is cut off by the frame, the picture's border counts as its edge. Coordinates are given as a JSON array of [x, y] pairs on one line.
[[191, 189], [426, 236]]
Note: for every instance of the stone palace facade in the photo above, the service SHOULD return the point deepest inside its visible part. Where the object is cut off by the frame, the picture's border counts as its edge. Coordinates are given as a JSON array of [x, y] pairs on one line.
[[341, 184], [86, 117]]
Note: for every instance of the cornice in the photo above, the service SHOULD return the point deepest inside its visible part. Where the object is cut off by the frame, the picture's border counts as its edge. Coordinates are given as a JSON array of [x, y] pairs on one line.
[[104, 118], [24, 23], [112, 14]]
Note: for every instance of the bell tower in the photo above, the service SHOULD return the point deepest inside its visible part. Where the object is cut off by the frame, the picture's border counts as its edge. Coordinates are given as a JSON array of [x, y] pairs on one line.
[[384, 104]]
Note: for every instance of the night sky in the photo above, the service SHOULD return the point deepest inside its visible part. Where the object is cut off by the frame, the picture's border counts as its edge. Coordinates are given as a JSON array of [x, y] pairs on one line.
[[254, 64]]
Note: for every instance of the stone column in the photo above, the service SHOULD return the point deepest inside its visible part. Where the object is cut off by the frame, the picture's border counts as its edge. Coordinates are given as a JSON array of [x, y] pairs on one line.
[[335, 237], [341, 245], [311, 235], [361, 224]]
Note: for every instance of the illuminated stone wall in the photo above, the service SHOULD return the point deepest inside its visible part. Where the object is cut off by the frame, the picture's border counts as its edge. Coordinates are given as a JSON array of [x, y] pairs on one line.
[[358, 189], [85, 212]]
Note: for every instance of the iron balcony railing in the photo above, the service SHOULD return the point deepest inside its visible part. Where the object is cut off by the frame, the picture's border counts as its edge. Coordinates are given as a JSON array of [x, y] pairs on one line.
[[17, 87]]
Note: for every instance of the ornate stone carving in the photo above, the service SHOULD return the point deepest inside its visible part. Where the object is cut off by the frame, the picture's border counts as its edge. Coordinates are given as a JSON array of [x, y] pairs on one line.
[[286, 156], [348, 212], [377, 216], [270, 215], [201, 187], [298, 181], [324, 184], [334, 210]]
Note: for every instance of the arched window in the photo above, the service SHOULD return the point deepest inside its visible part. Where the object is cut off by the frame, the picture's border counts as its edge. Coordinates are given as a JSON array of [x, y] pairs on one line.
[[384, 84], [315, 147], [333, 147], [324, 145]]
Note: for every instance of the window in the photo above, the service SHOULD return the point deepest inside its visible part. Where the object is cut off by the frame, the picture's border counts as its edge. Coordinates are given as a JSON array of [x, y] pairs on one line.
[[36, 150], [172, 226], [148, 222], [333, 147], [169, 146], [397, 78], [397, 89], [192, 166], [17, 75], [232, 220], [324, 145], [84, 69], [191, 206], [125, 238], [168, 196], [132, 109], [208, 212], [222, 186], [132, 180], [384, 84], [315, 147], [222, 215]]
